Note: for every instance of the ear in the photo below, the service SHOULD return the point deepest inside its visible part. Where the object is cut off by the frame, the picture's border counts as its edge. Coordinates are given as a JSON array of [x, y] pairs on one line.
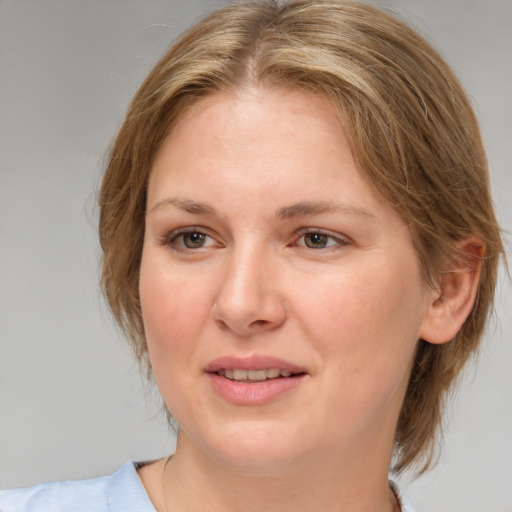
[[453, 300]]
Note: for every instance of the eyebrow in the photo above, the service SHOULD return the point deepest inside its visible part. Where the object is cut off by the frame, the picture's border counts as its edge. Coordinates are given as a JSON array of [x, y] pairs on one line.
[[186, 205], [287, 212], [318, 207]]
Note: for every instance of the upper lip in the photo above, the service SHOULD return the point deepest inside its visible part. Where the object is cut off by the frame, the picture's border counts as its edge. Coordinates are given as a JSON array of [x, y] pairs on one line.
[[253, 362]]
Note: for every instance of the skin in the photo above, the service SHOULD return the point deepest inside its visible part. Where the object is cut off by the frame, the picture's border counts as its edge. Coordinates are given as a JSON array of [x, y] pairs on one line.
[[349, 313]]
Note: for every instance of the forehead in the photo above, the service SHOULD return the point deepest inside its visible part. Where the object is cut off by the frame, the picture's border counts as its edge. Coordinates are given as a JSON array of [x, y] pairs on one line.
[[260, 147], [256, 124], [245, 113]]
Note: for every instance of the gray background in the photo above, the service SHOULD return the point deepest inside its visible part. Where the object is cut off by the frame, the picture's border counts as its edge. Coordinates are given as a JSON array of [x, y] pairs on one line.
[[71, 402]]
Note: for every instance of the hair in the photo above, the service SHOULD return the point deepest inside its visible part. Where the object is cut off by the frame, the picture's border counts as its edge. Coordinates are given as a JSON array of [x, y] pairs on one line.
[[412, 131]]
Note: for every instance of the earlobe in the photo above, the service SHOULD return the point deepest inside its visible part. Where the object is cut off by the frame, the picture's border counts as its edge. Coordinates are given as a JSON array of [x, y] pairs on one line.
[[455, 296]]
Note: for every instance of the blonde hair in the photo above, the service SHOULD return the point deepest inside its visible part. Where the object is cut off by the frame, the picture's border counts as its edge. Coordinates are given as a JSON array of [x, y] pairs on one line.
[[412, 132]]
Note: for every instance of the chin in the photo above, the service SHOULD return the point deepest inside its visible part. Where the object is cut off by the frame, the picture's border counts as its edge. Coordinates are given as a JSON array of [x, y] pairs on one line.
[[254, 448], [265, 461]]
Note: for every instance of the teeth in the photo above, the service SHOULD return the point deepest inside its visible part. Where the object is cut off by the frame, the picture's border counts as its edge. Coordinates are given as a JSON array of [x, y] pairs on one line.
[[253, 375], [240, 374], [257, 374], [273, 373]]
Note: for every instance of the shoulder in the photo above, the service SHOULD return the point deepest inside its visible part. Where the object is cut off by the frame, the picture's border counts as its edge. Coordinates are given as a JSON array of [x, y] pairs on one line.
[[120, 492]]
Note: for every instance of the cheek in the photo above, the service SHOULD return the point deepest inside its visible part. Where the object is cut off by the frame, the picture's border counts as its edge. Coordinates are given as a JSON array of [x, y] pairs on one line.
[[367, 341], [172, 313], [365, 321], [174, 310]]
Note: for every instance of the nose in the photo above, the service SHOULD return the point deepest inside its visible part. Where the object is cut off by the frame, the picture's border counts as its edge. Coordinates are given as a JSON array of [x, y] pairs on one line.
[[248, 301]]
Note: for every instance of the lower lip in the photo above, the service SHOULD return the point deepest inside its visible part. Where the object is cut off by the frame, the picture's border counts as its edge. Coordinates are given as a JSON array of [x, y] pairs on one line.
[[253, 393]]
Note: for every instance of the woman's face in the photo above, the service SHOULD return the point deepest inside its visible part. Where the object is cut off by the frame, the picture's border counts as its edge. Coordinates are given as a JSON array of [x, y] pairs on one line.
[[282, 302]]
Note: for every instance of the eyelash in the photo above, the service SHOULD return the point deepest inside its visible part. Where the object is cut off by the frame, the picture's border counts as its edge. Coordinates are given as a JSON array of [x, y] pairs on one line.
[[172, 239]]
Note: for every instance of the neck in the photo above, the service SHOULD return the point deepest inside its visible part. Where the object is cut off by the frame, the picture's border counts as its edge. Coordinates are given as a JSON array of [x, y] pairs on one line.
[[329, 482]]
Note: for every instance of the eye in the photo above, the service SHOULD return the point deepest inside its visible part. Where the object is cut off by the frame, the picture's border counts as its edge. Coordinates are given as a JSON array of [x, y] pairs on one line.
[[193, 240], [320, 240], [316, 240], [185, 239]]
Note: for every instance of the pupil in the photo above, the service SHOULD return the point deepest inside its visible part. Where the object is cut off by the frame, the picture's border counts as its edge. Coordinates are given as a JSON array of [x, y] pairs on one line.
[[193, 240], [316, 240]]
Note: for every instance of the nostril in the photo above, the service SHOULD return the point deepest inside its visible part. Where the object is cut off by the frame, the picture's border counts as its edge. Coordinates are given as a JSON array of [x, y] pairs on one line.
[[257, 324], [223, 325]]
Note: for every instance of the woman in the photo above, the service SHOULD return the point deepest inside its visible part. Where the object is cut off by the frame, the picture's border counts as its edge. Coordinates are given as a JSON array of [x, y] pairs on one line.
[[293, 244]]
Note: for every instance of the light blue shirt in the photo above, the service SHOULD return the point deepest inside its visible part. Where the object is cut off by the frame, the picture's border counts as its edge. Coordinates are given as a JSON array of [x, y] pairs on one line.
[[121, 492]]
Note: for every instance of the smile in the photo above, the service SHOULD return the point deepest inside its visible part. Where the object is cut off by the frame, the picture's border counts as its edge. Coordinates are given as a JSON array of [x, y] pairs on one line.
[[242, 375], [254, 380]]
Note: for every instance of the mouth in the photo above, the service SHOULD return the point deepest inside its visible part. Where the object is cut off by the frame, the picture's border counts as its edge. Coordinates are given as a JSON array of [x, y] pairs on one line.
[[254, 379], [249, 376]]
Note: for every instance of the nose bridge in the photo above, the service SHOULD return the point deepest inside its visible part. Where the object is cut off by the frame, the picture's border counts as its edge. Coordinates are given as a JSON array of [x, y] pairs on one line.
[[248, 300]]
